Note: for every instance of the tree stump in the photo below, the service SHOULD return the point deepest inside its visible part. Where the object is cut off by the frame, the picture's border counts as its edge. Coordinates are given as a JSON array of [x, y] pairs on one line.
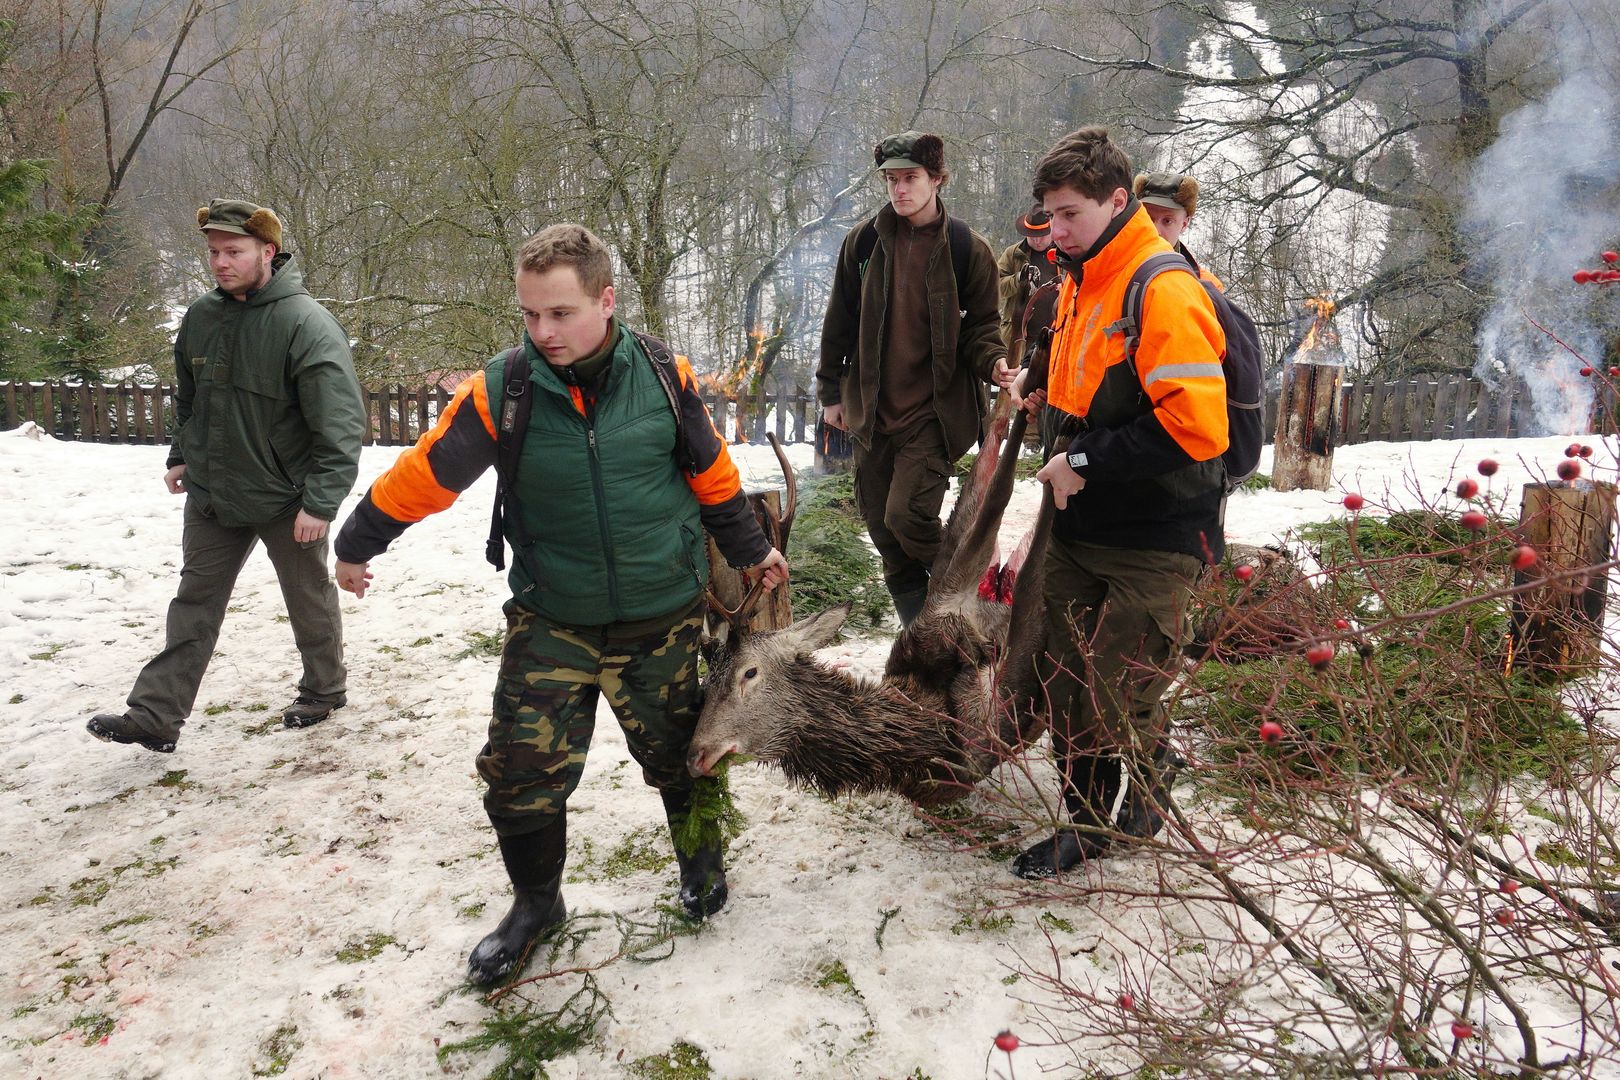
[[835, 450], [775, 608], [1307, 427], [1557, 629]]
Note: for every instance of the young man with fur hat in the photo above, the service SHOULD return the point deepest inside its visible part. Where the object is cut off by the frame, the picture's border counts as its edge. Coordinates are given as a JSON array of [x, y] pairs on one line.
[[1171, 200], [268, 424], [910, 339], [1026, 264], [1139, 485]]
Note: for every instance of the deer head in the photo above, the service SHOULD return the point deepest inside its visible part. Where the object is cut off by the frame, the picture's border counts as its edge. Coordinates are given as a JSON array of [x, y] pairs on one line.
[[755, 690]]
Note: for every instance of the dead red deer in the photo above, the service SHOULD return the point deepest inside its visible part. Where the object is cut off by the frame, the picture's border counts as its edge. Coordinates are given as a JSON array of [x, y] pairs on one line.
[[959, 693]]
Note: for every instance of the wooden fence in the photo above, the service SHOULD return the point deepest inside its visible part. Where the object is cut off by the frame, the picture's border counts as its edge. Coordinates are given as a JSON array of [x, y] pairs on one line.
[[1449, 407]]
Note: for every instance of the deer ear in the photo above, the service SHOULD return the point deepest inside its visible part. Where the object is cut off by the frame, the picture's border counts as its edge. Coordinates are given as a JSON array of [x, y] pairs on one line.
[[819, 629]]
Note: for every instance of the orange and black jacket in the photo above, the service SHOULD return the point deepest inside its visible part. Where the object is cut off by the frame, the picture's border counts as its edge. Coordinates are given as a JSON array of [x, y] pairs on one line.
[[614, 525], [1151, 433]]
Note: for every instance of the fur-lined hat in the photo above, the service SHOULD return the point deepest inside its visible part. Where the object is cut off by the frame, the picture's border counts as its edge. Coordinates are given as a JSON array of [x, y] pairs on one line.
[[911, 150], [241, 217], [1175, 190]]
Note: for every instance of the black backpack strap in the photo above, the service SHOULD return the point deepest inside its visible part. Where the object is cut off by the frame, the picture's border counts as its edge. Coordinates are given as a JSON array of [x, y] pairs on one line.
[[961, 239], [1130, 314], [511, 422], [663, 362]]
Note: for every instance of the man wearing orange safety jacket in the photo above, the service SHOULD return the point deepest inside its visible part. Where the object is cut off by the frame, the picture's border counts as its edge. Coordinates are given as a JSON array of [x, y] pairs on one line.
[[618, 476], [1136, 474]]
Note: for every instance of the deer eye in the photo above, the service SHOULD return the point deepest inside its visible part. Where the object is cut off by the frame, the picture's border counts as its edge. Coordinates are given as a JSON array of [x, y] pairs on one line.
[[751, 673]]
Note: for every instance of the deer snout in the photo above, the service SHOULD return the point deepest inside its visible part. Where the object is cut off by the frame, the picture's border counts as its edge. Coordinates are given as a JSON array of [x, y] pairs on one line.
[[700, 760]]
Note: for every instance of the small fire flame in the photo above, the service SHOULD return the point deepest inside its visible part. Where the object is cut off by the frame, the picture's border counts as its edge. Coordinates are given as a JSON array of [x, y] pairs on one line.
[[1321, 332]]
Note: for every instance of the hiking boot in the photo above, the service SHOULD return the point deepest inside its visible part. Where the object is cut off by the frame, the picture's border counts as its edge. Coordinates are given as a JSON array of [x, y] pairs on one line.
[[119, 728], [534, 864], [703, 873], [306, 711]]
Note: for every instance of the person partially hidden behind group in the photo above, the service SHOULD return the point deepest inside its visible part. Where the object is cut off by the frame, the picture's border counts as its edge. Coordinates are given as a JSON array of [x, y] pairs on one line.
[[1171, 200]]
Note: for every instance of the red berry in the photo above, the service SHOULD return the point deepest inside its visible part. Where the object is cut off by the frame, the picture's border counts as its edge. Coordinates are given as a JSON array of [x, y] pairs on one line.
[[1271, 732], [1586, 451], [1611, 256], [1614, 373], [1467, 488], [1320, 655], [1582, 276], [1572, 450], [1353, 501], [1524, 557], [1586, 372], [1244, 572], [1569, 470], [1007, 1041], [1487, 467], [1341, 624], [1127, 1001], [1462, 1029], [1509, 885], [1473, 520], [1505, 916]]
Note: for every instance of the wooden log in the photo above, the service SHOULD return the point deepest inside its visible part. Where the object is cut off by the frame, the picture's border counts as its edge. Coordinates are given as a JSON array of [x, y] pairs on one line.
[[775, 608], [1556, 631], [835, 450], [1307, 427]]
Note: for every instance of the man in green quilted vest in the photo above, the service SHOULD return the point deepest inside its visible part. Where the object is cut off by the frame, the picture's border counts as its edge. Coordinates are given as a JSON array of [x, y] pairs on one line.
[[619, 475]]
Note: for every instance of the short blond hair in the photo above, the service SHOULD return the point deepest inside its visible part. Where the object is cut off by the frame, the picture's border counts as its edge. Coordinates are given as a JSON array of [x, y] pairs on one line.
[[568, 244]]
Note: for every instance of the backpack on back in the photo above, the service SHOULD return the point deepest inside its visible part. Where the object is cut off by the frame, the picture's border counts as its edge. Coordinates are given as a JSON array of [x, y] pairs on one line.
[[1245, 386], [512, 422]]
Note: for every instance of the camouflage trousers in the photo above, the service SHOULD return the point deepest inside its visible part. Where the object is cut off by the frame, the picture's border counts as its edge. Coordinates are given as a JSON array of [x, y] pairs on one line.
[[545, 709]]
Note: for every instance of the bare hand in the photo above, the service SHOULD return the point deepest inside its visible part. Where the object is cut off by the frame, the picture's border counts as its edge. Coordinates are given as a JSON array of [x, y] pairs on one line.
[[833, 415], [308, 527], [772, 569], [1031, 404], [1064, 480], [174, 480], [353, 577], [1002, 375]]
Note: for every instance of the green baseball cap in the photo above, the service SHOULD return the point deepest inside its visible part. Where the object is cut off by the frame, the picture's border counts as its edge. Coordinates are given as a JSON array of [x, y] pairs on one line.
[[902, 151]]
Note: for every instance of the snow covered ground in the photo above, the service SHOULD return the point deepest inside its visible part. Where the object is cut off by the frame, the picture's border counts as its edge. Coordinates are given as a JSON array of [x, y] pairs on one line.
[[269, 900]]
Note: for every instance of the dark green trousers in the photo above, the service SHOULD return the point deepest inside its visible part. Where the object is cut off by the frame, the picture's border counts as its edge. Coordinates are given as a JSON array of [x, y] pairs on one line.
[[212, 556], [550, 680], [1116, 624], [900, 483]]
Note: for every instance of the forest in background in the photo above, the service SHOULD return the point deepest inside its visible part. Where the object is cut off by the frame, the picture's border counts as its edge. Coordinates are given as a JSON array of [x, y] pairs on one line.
[[1435, 167]]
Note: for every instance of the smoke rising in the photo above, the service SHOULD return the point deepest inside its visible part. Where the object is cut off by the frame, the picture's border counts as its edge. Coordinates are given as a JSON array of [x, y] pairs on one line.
[[1543, 204]]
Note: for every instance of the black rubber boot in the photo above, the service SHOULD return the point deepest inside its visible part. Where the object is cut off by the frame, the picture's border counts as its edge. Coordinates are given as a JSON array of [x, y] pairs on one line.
[[1095, 802], [703, 873], [908, 605], [534, 863], [1090, 783]]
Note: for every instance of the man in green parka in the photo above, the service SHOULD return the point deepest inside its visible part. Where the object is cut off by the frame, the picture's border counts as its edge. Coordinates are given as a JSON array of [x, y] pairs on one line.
[[269, 421]]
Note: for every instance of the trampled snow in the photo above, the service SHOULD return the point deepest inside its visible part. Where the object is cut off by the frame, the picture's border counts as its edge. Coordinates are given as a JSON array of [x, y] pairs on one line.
[[305, 900]]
